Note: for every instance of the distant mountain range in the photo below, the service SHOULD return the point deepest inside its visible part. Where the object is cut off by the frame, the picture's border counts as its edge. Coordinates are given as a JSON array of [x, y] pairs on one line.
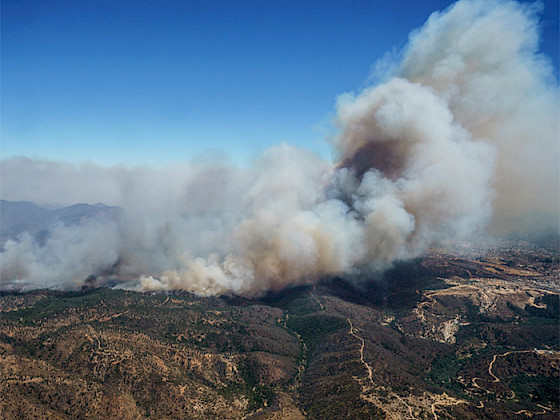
[[17, 217]]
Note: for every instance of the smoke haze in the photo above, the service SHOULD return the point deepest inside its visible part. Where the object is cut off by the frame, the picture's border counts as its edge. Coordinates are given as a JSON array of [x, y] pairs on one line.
[[462, 133]]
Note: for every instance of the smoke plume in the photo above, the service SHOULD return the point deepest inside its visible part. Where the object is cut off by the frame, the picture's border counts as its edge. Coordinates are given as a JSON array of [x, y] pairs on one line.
[[463, 131]]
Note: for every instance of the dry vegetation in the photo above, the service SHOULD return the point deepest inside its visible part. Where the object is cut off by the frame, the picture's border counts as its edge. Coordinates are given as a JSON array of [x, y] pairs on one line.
[[452, 335]]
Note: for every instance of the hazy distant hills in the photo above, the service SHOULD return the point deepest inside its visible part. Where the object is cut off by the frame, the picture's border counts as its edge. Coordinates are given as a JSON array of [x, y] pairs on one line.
[[17, 217]]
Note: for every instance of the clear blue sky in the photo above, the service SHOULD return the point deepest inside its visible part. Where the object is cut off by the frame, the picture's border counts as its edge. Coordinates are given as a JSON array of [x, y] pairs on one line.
[[159, 81]]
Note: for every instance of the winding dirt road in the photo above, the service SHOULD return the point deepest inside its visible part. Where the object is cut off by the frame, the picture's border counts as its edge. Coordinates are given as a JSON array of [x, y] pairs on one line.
[[366, 364]]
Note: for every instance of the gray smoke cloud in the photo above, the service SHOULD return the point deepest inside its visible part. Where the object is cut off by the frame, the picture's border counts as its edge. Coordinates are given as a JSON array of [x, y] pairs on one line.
[[466, 121]]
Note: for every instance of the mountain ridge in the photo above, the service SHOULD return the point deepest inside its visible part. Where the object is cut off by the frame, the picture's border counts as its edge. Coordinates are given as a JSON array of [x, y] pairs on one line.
[[17, 217]]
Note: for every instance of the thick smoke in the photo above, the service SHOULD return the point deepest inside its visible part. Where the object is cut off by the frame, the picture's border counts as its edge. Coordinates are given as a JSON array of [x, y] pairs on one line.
[[482, 58], [468, 118]]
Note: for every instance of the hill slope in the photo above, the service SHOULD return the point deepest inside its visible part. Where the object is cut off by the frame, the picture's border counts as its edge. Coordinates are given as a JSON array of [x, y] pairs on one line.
[[428, 340]]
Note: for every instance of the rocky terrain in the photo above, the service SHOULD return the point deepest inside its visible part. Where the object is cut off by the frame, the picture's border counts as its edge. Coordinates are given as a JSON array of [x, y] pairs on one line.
[[459, 333]]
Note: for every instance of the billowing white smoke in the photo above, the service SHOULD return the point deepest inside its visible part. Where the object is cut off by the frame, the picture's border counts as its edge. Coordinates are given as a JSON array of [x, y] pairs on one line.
[[468, 118], [482, 58]]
